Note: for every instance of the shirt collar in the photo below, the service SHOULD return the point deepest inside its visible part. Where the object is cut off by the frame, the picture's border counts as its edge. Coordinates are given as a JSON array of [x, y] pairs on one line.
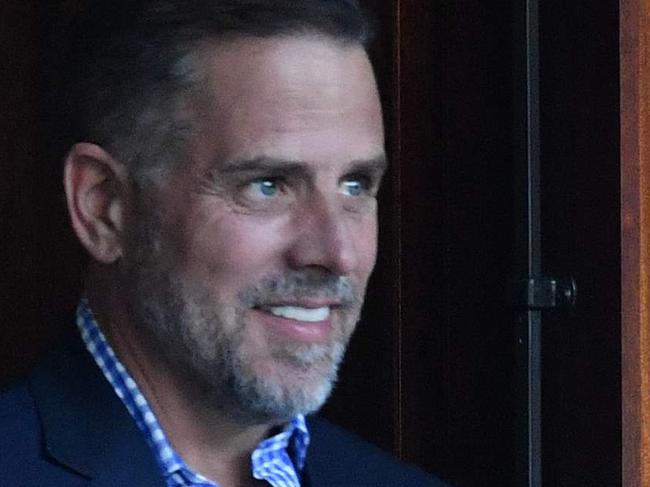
[[281, 456]]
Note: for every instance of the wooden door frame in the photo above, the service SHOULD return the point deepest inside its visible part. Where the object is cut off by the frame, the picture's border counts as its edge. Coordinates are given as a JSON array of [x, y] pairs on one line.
[[635, 239]]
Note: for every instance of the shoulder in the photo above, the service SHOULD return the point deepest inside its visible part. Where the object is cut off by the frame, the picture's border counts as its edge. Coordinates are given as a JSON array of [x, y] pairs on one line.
[[17, 414], [18, 418], [22, 461], [343, 458], [25, 458]]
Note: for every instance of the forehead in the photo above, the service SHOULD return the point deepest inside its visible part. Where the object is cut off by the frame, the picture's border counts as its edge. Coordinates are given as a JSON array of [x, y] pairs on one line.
[[292, 97]]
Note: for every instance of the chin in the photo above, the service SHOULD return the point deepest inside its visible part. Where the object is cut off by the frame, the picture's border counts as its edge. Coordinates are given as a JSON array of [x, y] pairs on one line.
[[281, 393]]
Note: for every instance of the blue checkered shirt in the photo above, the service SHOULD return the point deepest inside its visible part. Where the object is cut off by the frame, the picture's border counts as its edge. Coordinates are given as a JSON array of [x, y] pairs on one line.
[[270, 461]]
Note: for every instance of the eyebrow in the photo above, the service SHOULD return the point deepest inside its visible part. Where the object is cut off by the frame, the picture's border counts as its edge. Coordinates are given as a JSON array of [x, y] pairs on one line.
[[260, 164], [376, 165]]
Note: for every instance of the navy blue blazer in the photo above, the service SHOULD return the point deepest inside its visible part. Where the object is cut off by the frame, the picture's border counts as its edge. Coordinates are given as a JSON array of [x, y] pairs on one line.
[[64, 426]]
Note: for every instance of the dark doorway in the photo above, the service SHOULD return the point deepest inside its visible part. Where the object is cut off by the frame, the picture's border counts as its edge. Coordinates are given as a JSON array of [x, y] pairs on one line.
[[438, 316]]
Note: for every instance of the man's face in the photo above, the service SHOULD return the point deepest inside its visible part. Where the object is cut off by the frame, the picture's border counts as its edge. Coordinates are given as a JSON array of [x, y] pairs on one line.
[[248, 265]]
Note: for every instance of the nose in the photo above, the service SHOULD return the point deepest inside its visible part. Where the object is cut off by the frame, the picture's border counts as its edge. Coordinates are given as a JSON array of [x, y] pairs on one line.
[[324, 238]]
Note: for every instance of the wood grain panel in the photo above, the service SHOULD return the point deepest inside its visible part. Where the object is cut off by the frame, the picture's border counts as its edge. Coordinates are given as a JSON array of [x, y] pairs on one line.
[[635, 190]]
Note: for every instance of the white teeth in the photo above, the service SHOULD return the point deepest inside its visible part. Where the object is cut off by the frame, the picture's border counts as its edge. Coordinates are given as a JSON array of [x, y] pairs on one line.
[[301, 314]]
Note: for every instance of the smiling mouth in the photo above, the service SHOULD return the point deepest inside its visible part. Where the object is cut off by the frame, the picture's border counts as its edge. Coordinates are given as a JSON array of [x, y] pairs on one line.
[[299, 313]]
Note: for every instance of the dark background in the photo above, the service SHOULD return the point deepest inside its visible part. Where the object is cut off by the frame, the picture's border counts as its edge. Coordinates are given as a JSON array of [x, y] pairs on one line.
[[430, 374]]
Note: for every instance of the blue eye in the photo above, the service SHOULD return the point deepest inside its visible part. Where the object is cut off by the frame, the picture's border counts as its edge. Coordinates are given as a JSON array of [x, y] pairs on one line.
[[266, 187], [353, 187]]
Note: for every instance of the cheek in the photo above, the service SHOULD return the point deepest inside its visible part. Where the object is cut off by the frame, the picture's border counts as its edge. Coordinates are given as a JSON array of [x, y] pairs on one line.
[[234, 247]]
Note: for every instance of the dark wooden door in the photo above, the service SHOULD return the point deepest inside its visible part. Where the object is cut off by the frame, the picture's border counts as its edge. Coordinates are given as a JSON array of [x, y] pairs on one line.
[[438, 316]]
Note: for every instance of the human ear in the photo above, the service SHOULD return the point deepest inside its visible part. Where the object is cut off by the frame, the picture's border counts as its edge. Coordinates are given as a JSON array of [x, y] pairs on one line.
[[96, 187]]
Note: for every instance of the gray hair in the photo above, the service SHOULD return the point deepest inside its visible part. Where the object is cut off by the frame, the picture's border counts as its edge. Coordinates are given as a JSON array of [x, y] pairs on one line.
[[132, 73]]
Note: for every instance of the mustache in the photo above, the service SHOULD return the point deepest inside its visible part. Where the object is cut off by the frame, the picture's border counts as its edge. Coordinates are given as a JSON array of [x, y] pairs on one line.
[[302, 285]]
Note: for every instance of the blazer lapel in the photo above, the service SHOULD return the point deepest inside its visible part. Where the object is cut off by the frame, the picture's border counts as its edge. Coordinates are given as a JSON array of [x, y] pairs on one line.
[[86, 427]]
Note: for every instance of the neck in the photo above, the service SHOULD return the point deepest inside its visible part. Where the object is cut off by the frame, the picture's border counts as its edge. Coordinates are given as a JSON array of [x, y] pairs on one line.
[[207, 439]]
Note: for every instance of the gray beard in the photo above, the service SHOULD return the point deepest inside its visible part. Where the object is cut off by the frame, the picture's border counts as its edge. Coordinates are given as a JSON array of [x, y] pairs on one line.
[[186, 324]]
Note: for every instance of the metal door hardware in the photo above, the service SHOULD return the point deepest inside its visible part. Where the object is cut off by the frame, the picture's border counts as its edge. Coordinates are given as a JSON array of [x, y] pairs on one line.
[[543, 293]]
